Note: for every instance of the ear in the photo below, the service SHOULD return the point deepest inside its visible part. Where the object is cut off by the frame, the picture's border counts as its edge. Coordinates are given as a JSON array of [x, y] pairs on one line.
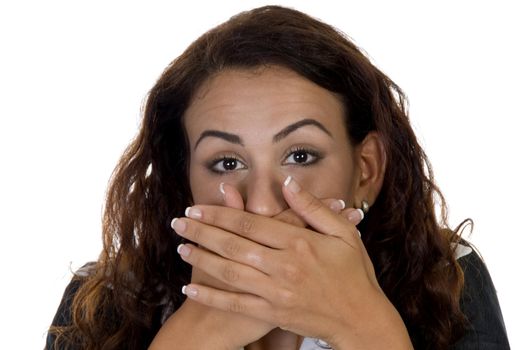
[[371, 160]]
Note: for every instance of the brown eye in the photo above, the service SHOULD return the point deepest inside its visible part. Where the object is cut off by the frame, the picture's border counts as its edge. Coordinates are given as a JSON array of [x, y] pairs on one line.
[[226, 164], [302, 157], [229, 164]]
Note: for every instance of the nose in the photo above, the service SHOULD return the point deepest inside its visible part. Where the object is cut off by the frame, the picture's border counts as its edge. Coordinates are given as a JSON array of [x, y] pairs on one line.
[[263, 194]]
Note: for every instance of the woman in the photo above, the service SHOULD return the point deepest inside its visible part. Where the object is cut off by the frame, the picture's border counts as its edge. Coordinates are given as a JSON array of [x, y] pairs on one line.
[[303, 205]]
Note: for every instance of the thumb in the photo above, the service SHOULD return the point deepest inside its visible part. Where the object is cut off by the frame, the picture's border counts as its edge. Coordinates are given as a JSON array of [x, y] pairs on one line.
[[316, 214], [290, 217], [324, 220]]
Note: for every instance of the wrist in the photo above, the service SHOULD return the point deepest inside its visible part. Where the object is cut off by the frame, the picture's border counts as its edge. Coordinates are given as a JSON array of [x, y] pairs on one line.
[[381, 327], [194, 326]]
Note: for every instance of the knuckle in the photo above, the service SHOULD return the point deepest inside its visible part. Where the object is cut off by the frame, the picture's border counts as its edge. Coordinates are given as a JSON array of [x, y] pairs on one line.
[[194, 232], [211, 217], [196, 258], [311, 205], [256, 258], [231, 247], [302, 246], [235, 305], [207, 298], [292, 273], [247, 226], [284, 297], [230, 274]]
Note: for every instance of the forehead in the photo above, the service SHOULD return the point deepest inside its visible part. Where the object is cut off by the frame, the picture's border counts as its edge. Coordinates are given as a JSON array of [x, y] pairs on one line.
[[264, 98]]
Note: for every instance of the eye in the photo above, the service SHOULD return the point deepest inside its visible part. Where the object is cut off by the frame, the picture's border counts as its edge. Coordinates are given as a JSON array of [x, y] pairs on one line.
[[226, 164], [302, 156]]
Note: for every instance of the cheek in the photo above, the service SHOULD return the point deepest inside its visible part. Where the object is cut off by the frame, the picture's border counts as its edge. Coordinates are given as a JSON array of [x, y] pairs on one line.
[[334, 181], [205, 190]]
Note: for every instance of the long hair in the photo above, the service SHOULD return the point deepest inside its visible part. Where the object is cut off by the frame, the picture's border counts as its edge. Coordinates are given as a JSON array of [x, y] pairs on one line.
[[120, 304]]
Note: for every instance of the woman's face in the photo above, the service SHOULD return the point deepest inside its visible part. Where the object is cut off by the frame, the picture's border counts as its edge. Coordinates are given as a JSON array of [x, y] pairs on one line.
[[253, 128]]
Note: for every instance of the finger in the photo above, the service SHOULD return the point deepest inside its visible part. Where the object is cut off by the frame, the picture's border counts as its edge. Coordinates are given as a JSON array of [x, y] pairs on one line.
[[239, 276], [233, 199], [263, 230], [336, 205], [355, 216], [231, 196], [247, 304], [225, 244], [314, 213], [290, 217]]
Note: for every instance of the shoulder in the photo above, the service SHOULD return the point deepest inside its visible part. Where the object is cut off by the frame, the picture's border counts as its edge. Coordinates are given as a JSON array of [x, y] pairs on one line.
[[479, 303], [477, 280], [63, 316]]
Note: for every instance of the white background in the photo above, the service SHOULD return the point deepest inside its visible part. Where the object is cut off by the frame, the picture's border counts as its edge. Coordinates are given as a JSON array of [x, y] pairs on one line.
[[73, 76]]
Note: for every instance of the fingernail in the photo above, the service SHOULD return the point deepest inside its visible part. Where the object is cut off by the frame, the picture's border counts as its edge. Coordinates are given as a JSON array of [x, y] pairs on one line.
[[355, 216], [179, 226], [292, 185], [193, 213], [362, 214], [222, 188], [183, 250], [189, 291], [337, 205]]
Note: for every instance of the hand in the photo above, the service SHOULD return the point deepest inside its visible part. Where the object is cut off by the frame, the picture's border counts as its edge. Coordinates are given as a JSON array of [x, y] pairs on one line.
[[230, 323], [197, 326], [278, 338], [320, 285], [233, 199], [193, 325]]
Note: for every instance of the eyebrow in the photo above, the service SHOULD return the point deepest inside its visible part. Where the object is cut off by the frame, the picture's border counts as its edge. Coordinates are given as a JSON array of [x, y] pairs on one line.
[[232, 138], [295, 126], [235, 139]]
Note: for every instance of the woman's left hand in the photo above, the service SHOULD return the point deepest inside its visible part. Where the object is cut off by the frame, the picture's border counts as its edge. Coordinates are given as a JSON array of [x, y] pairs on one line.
[[316, 281]]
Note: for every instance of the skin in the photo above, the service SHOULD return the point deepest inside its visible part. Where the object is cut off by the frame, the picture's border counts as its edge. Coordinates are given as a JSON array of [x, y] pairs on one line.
[[265, 249], [256, 106]]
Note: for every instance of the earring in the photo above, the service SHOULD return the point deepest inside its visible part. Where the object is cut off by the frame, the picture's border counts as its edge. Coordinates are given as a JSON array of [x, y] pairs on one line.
[[365, 207]]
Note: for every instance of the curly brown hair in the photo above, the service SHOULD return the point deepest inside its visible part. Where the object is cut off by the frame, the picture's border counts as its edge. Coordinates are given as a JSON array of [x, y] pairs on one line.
[[139, 273]]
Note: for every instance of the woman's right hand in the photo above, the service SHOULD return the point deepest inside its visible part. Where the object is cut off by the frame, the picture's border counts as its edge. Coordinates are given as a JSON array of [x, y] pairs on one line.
[[196, 326]]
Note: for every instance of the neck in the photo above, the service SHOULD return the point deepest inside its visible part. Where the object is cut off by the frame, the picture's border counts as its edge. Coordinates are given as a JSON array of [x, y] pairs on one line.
[[277, 339]]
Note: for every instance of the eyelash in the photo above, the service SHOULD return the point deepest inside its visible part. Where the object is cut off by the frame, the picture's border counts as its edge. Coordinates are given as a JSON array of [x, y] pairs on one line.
[[211, 165], [310, 152]]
